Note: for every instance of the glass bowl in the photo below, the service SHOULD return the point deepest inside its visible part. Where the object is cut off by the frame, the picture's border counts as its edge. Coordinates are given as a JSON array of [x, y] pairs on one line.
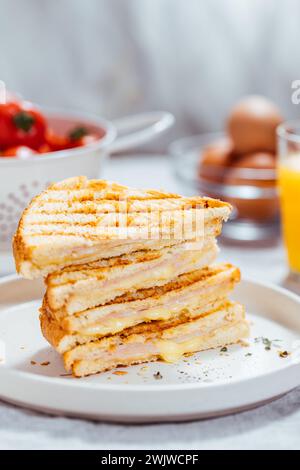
[[252, 192]]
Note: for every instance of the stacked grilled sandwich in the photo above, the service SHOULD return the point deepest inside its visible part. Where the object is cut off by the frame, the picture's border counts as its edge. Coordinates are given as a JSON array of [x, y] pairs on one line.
[[130, 274]]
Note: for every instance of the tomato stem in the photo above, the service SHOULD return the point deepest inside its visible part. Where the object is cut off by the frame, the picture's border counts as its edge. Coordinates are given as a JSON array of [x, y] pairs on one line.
[[24, 121], [77, 133]]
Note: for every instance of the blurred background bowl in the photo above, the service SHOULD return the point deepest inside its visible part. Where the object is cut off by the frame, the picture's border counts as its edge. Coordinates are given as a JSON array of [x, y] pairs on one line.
[[205, 168]]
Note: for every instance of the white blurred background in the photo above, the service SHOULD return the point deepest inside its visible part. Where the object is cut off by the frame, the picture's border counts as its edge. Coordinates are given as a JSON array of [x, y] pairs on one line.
[[194, 58]]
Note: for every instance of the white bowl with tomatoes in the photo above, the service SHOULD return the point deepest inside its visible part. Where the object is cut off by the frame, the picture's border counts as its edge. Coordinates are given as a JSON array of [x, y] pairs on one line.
[[40, 146]]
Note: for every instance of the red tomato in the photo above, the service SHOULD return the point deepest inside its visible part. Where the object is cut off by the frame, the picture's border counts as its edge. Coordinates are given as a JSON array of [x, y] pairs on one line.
[[78, 137], [7, 127], [21, 151], [21, 125], [87, 139], [56, 142], [45, 148]]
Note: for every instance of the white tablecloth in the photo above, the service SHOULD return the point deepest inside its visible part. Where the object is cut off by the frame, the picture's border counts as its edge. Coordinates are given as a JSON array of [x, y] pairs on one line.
[[276, 425]]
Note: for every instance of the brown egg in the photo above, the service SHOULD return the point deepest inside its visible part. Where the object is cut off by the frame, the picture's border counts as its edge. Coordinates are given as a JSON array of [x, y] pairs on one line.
[[252, 125], [256, 161], [247, 170], [215, 158]]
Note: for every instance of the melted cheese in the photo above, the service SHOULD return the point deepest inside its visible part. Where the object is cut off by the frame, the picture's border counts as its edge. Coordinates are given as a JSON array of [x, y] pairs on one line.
[[118, 321], [160, 313], [114, 325], [170, 351], [111, 326]]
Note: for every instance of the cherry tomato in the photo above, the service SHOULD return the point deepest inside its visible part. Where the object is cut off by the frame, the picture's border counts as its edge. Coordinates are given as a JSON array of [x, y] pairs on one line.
[[80, 136], [84, 140], [20, 151], [21, 124], [45, 148], [7, 127], [55, 141], [77, 137]]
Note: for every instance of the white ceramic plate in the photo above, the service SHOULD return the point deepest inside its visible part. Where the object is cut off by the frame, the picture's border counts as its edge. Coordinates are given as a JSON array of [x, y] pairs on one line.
[[208, 384]]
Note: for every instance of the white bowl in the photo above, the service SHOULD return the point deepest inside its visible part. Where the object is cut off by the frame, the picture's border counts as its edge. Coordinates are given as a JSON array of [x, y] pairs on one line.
[[22, 179]]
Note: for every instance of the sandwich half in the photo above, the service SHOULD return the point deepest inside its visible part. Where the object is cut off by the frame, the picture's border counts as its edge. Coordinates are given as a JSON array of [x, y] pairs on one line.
[[79, 221], [81, 287], [167, 340], [188, 293]]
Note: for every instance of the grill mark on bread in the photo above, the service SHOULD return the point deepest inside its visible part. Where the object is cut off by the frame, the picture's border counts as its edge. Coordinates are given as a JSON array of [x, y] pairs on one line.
[[83, 195], [113, 219], [42, 246], [214, 224], [92, 206]]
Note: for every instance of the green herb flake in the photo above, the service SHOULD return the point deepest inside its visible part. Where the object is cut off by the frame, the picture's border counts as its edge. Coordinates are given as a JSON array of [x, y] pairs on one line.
[[224, 349], [268, 343]]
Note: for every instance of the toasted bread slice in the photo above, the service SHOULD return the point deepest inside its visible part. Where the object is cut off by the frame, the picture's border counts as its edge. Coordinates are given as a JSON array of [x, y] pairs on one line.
[[185, 294], [63, 341], [221, 327], [78, 288], [81, 220]]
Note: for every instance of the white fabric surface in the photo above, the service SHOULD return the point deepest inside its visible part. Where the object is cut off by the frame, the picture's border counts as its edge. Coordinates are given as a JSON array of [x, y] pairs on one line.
[[273, 426], [194, 58]]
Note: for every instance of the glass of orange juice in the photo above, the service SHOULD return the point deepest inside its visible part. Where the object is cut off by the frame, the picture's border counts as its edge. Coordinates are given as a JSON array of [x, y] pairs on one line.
[[289, 190]]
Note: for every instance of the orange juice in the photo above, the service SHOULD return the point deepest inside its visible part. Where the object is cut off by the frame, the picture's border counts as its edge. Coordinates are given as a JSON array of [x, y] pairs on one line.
[[289, 186]]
